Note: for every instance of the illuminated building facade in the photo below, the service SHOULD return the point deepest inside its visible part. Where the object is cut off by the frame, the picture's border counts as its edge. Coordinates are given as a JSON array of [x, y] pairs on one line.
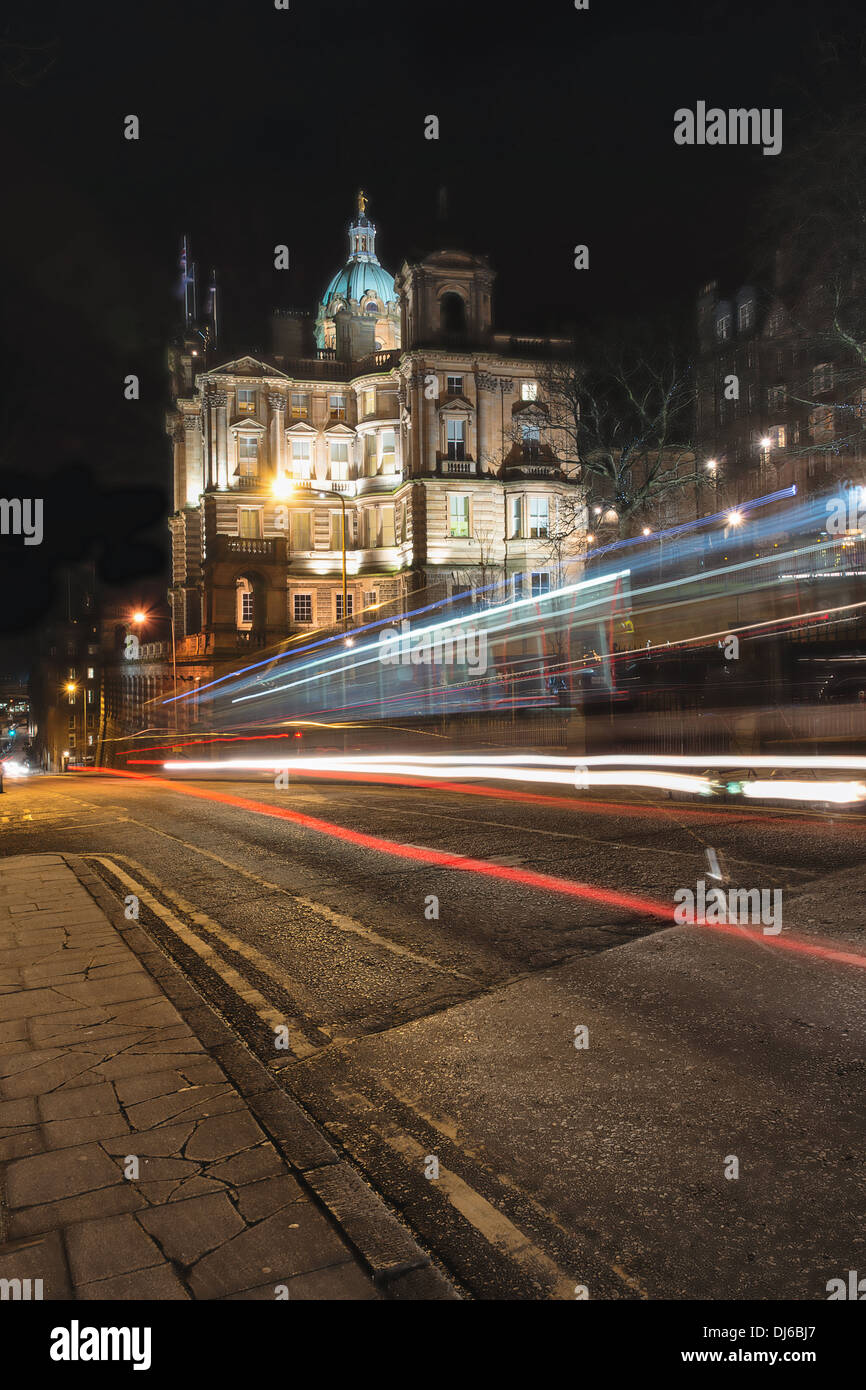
[[397, 408]]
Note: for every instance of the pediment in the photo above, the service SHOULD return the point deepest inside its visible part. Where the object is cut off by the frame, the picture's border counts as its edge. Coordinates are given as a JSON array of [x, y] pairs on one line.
[[245, 424], [301, 427], [339, 427], [248, 366], [456, 405]]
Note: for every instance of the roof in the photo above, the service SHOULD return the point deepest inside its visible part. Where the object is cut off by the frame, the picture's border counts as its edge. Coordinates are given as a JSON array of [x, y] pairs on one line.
[[359, 278]]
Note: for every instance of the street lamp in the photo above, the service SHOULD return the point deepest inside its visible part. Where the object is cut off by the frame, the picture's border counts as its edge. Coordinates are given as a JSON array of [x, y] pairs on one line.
[[139, 617], [282, 489], [72, 690], [735, 518]]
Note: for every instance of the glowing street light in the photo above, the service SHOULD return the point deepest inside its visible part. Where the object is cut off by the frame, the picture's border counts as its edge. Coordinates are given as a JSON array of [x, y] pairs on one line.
[[139, 617], [735, 518], [712, 464], [766, 442], [647, 531], [70, 687], [282, 489]]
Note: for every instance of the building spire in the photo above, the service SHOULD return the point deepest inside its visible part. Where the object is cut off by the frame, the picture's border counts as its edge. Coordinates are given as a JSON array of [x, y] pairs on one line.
[[362, 233]]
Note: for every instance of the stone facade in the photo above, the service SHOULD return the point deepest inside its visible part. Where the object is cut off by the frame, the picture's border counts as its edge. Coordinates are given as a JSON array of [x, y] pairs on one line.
[[433, 449]]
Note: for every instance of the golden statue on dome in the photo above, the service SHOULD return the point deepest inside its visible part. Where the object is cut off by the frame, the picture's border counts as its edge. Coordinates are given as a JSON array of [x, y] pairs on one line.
[[363, 200]]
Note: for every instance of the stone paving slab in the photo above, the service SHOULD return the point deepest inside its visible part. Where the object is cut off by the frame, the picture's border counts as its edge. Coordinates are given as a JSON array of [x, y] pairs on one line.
[[133, 1166]]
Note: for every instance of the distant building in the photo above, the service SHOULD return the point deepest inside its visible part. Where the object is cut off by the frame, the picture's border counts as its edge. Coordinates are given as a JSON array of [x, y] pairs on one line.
[[780, 396], [65, 682], [397, 409]]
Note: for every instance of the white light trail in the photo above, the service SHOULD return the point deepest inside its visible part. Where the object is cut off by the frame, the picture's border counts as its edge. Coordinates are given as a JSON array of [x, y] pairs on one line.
[[509, 608], [840, 792], [567, 776]]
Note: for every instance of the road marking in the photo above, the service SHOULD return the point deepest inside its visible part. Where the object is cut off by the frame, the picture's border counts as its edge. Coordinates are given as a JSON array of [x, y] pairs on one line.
[[300, 1046], [337, 919], [450, 1129], [496, 1229]]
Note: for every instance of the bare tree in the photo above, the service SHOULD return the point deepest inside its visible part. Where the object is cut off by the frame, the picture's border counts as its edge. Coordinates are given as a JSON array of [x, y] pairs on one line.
[[625, 414]]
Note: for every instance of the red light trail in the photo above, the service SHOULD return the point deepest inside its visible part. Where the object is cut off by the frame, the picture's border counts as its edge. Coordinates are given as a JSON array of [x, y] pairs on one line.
[[440, 859]]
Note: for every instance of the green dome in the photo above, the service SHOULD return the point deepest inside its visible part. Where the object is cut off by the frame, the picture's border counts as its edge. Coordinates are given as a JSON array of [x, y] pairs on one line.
[[358, 278]]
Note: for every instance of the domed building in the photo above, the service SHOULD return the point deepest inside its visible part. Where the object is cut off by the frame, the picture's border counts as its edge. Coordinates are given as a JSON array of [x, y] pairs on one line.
[[359, 312], [399, 454]]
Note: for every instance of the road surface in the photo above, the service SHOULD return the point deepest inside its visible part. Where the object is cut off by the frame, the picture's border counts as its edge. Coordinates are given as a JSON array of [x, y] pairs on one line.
[[563, 1093]]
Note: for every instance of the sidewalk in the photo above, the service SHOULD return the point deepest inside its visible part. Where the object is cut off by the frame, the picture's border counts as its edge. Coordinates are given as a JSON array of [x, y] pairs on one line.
[[138, 1163]]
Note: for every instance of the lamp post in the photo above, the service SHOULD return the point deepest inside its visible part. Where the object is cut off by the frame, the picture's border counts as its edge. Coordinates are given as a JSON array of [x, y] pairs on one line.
[[72, 689], [139, 617]]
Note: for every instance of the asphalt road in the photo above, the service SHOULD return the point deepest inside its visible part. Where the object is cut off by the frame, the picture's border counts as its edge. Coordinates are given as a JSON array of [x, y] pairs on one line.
[[431, 1010]]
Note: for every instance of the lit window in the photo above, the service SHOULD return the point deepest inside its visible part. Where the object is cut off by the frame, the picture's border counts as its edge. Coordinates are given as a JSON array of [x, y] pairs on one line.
[[371, 457], [350, 603], [746, 315], [516, 528], [250, 522], [540, 583], [371, 598], [248, 456], [91, 674], [539, 517], [778, 437], [368, 402], [723, 327], [303, 608], [454, 385], [340, 461], [301, 457], [388, 448], [456, 437], [338, 407], [387, 521], [300, 405], [458, 514], [246, 402], [246, 606], [529, 391], [336, 530]]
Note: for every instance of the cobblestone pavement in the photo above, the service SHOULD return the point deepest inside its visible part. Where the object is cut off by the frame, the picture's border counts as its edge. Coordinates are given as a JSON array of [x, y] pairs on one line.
[[131, 1165]]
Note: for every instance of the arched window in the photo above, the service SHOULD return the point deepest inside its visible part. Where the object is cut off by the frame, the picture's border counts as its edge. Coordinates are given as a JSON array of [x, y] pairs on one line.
[[372, 308], [452, 313], [245, 604]]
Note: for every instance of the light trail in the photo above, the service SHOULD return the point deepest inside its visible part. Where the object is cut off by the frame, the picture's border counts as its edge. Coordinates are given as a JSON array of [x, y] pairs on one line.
[[662, 780], [839, 792], [461, 863], [506, 609], [569, 765]]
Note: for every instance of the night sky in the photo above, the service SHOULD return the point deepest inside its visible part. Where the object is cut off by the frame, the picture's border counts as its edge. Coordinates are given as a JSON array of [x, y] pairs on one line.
[[257, 128]]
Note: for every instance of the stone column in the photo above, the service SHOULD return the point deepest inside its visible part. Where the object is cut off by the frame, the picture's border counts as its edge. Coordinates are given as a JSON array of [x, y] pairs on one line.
[[277, 404], [219, 401]]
